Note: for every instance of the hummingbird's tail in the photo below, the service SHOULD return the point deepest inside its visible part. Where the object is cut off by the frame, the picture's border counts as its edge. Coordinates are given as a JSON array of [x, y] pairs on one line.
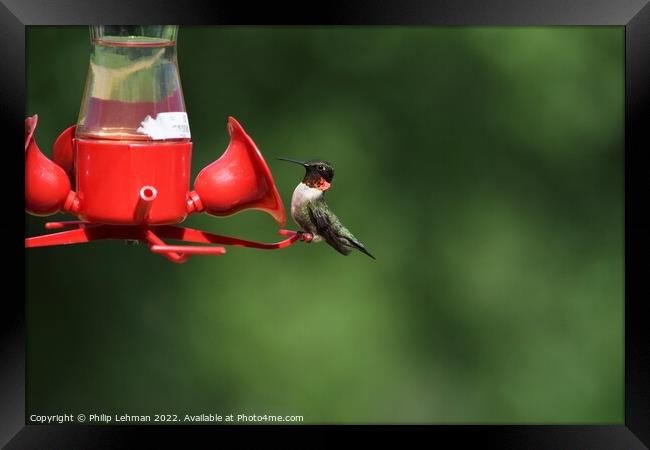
[[359, 246]]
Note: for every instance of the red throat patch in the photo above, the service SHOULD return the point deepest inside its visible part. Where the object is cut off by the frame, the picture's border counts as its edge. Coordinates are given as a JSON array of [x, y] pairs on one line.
[[323, 185]]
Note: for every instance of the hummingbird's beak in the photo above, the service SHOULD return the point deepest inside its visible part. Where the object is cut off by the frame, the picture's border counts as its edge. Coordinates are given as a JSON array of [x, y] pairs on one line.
[[302, 163]]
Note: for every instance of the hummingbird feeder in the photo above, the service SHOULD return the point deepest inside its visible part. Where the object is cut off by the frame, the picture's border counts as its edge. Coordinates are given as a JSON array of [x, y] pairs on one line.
[[123, 170]]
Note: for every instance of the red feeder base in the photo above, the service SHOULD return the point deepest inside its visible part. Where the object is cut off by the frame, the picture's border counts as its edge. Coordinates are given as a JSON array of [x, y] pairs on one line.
[[153, 236]]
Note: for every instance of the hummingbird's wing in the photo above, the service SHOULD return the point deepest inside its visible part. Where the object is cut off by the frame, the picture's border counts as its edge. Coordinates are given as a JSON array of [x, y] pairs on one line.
[[324, 226], [333, 231]]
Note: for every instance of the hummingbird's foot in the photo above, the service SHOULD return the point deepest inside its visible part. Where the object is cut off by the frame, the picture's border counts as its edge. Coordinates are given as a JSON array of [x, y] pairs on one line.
[[307, 237], [302, 235]]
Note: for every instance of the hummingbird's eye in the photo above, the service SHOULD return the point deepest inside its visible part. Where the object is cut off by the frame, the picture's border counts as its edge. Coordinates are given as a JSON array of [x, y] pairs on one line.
[[321, 167]]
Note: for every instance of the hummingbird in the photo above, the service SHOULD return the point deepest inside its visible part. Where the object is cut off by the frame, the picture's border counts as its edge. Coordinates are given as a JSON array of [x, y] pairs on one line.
[[312, 214]]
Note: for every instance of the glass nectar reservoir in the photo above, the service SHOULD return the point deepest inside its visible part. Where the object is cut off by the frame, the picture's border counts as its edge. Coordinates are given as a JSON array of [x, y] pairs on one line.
[[133, 89]]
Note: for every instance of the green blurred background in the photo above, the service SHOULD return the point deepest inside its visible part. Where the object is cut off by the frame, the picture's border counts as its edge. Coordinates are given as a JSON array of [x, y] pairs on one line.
[[482, 166]]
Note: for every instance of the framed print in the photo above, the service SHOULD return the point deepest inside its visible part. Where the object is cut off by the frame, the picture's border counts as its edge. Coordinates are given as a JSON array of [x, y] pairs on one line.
[[419, 217]]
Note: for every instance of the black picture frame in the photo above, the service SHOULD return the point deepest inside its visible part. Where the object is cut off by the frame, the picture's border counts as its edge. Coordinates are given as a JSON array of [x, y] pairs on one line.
[[634, 15]]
